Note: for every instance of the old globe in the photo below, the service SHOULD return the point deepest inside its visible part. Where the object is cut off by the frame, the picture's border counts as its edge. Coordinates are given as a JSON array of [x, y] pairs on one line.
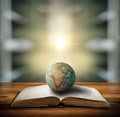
[[60, 77]]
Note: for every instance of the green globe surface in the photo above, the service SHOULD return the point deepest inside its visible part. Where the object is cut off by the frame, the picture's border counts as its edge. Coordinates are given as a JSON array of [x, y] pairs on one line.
[[60, 77]]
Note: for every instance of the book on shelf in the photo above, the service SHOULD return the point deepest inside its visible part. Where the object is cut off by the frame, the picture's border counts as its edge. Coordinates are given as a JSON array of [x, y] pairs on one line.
[[39, 96]]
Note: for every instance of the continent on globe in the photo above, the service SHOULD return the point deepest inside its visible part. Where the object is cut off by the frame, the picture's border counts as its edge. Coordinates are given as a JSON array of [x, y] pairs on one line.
[[60, 77]]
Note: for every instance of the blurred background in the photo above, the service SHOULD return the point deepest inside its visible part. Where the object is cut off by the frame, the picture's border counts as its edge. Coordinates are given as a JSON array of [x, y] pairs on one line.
[[37, 33]]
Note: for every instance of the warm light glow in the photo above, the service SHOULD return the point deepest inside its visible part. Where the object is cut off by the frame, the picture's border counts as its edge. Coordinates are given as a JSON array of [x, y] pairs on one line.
[[60, 44], [59, 29]]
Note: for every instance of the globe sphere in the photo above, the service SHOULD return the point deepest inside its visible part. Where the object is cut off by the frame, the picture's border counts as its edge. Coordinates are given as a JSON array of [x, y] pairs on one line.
[[60, 77]]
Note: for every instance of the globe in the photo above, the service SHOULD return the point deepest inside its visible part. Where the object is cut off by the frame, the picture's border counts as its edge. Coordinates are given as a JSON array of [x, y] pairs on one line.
[[60, 77]]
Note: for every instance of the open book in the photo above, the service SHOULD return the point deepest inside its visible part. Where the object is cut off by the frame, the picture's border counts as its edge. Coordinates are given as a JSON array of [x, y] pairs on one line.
[[38, 96]]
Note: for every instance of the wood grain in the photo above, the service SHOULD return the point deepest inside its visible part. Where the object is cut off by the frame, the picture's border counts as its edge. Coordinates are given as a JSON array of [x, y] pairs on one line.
[[111, 91]]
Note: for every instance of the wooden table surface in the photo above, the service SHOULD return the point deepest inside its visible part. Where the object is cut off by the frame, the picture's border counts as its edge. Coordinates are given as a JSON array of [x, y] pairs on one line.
[[111, 91]]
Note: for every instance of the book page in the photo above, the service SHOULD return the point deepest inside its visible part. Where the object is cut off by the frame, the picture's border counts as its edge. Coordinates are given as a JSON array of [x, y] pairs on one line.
[[35, 92], [76, 91], [83, 92]]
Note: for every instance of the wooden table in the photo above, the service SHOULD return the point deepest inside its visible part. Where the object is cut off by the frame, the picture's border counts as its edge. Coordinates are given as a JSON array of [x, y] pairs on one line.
[[111, 92]]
